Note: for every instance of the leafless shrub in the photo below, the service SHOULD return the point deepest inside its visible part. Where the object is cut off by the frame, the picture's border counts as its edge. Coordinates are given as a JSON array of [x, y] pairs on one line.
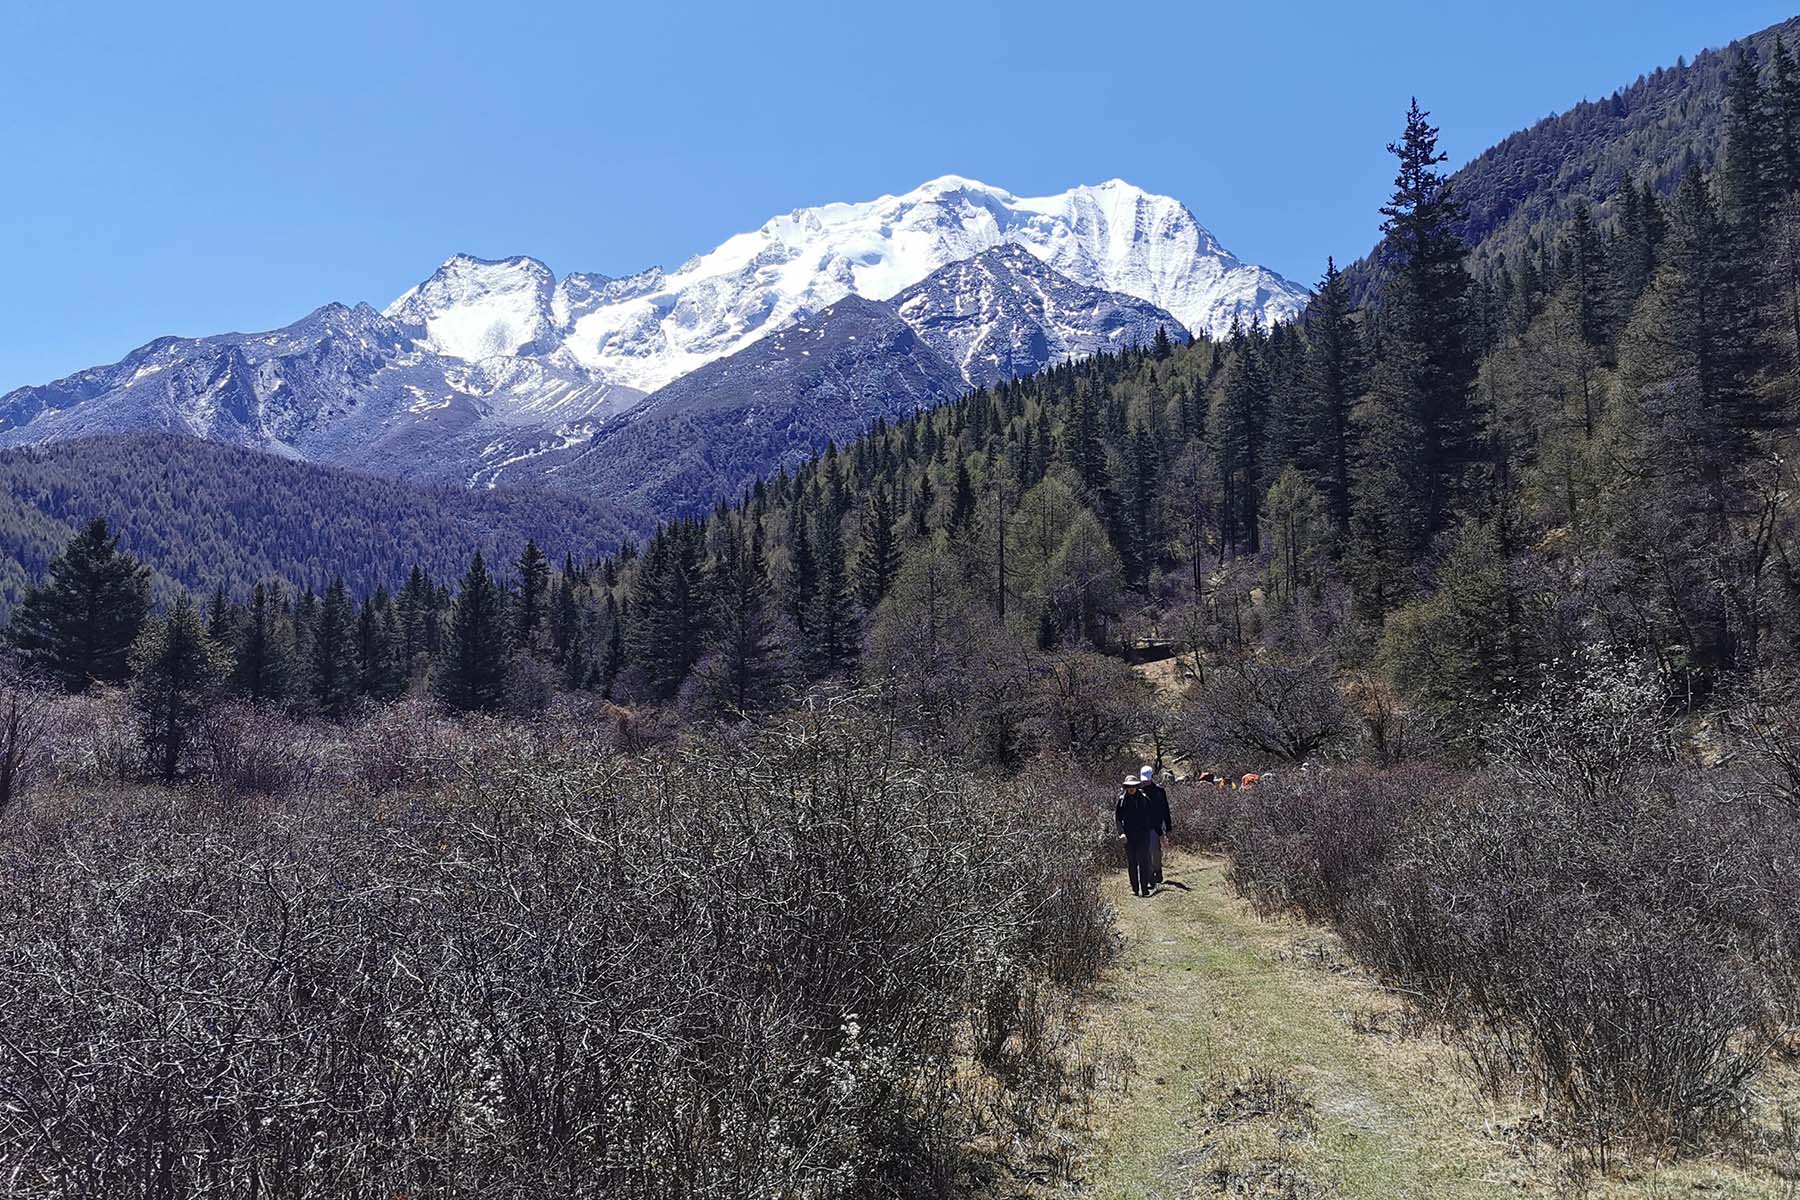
[[1596, 728], [553, 969], [1765, 724], [1266, 710], [1592, 918], [93, 738], [1092, 707], [1391, 733], [409, 744], [1308, 842], [260, 751], [25, 706]]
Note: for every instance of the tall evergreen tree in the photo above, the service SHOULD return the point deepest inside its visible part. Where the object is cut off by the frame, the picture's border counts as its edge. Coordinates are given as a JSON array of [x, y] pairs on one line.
[[336, 677], [1426, 384], [878, 558], [744, 652], [1334, 382], [921, 506], [79, 625], [831, 629], [669, 609], [263, 669], [1751, 176], [1145, 540], [221, 618], [378, 653], [1161, 348], [1587, 278], [176, 670], [531, 611], [962, 498], [612, 656], [472, 676], [1236, 428], [416, 613], [803, 567]]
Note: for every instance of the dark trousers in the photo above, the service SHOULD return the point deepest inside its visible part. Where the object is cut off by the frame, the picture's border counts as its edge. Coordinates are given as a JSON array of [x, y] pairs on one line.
[[1137, 860]]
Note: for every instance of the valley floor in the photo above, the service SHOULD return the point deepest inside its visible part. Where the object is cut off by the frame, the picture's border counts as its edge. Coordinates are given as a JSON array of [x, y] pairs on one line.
[[1266, 1064]]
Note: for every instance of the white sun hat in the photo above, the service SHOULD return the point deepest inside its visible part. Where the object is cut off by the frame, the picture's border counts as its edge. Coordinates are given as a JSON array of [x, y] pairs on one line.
[[1146, 773]]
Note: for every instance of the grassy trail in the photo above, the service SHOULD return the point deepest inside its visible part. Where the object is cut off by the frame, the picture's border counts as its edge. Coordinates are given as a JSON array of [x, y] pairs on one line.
[[1266, 1066]]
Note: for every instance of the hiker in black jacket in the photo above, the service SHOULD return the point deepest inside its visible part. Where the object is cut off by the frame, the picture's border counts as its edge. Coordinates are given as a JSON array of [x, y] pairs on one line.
[[1137, 817], [1162, 824]]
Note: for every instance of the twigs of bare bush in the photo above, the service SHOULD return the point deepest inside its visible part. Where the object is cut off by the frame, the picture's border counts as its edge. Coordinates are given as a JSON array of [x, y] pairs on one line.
[[508, 959], [1594, 919]]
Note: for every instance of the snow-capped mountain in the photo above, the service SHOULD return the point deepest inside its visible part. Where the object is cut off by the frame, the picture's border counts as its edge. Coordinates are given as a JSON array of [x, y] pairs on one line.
[[343, 386], [496, 371], [999, 315], [648, 330]]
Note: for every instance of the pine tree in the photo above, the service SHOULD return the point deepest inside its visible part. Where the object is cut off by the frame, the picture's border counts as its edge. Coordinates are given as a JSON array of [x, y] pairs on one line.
[[878, 558], [304, 619], [1586, 277], [921, 507], [379, 661], [1633, 252], [472, 676], [176, 670], [744, 654], [1236, 428], [79, 625], [568, 631], [1334, 382], [415, 611], [1751, 176], [336, 677], [263, 667], [1145, 541], [1785, 98], [803, 569], [831, 628], [221, 618], [612, 658], [1428, 330], [669, 610], [530, 612], [1390, 527], [962, 499]]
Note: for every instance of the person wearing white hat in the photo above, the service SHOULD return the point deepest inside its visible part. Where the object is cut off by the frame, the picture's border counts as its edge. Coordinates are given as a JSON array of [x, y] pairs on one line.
[[1136, 817], [1161, 824]]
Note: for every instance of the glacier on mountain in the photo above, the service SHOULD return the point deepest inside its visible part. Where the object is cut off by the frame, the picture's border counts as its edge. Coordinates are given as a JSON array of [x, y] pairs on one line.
[[648, 331]]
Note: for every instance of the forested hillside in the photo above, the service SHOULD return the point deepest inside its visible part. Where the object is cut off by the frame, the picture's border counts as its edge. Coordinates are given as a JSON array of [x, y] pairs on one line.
[[1522, 191], [203, 515]]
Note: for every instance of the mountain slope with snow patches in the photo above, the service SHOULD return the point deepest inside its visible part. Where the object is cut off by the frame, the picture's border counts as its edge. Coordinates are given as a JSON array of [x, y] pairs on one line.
[[1004, 314]]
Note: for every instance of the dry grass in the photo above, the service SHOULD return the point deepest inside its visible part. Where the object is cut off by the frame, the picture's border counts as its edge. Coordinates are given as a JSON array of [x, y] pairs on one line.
[[1266, 1065]]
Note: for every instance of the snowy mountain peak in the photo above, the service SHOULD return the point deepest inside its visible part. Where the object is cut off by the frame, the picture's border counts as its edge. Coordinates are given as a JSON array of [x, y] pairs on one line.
[[646, 332], [476, 308]]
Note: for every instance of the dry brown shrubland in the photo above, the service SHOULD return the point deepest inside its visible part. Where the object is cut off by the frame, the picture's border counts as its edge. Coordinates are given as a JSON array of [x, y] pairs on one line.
[[440, 958]]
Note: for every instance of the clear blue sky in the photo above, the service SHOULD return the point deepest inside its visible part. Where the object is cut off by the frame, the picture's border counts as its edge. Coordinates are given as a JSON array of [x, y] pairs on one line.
[[195, 167]]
